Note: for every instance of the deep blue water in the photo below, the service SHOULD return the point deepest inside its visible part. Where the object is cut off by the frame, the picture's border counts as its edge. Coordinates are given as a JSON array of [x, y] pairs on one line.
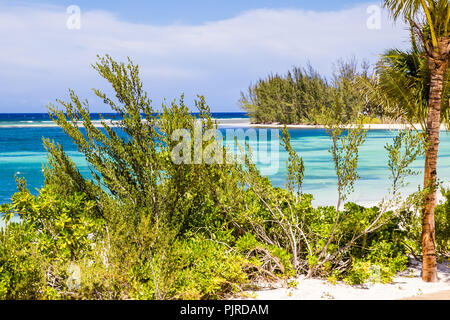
[[43, 118], [22, 154]]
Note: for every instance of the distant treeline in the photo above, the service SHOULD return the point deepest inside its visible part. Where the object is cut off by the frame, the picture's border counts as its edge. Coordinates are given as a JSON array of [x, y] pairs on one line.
[[303, 96]]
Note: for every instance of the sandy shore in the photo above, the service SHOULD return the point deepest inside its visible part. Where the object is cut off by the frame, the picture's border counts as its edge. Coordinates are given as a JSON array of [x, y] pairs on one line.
[[223, 123], [406, 285], [245, 123]]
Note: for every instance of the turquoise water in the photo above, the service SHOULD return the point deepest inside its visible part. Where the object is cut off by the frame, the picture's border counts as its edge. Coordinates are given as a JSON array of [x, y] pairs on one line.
[[320, 178], [22, 153]]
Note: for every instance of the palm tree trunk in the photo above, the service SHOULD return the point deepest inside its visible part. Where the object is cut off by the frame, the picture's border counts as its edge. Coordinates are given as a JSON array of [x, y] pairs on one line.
[[438, 66]]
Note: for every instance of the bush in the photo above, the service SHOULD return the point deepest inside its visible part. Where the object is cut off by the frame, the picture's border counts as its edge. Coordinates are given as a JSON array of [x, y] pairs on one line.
[[22, 267], [442, 220], [383, 261], [145, 227], [412, 225], [267, 259], [371, 120], [54, 231], [64, 223], [209, 270], [304, 96]]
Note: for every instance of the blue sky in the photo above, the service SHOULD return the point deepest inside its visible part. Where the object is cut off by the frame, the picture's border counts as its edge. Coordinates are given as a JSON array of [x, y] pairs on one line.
[[214, 48], [193, 11]]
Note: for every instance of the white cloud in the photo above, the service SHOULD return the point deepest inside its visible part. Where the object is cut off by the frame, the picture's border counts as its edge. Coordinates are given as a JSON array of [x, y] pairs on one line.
[[40, 58]]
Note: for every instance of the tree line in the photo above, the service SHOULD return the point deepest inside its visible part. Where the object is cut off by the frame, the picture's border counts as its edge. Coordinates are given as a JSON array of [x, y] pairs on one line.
[[303, 96]]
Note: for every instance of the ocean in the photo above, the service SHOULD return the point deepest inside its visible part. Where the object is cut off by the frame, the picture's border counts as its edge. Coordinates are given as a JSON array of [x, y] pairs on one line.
[[22, 154]]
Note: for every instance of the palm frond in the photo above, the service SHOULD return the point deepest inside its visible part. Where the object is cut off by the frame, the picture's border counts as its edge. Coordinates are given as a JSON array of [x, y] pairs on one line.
[[401, 85]]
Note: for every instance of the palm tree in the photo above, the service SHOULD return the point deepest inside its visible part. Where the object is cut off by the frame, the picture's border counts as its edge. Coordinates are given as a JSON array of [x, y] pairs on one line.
[[430, 22], [400, 88]]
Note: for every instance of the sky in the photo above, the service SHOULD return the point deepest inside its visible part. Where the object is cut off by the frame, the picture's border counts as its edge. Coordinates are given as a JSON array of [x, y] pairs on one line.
[[208, 47]]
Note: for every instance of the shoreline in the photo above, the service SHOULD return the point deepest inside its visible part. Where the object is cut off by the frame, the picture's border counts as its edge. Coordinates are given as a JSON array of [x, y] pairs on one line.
[[407, 284], [230, 123], [248, 123]]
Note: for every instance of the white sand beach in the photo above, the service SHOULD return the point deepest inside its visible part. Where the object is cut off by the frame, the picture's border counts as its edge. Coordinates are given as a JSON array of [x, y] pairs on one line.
[[222, 123], [406, 285], [245, 123]]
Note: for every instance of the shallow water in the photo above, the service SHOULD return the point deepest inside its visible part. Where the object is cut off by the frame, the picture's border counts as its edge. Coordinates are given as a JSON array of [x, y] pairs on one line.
[[22, 153]]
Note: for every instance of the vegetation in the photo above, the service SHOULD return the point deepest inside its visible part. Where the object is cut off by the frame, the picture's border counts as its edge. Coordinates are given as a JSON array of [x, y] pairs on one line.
[[146, 227], [304, 96], [408, 87], [149, 226], [398, 163], [433, 37]]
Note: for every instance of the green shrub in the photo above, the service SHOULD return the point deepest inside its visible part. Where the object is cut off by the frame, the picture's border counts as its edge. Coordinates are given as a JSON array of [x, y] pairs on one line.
[[64, 223], [22, 267], [273, 259], [442, 221], [208, 270], [383, 260], [412, 224], [371, 120]]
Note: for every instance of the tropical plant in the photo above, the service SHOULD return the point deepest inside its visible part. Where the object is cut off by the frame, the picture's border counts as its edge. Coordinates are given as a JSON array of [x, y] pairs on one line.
[[432, 33], [295, 165], [406, 147], [345, 152]]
